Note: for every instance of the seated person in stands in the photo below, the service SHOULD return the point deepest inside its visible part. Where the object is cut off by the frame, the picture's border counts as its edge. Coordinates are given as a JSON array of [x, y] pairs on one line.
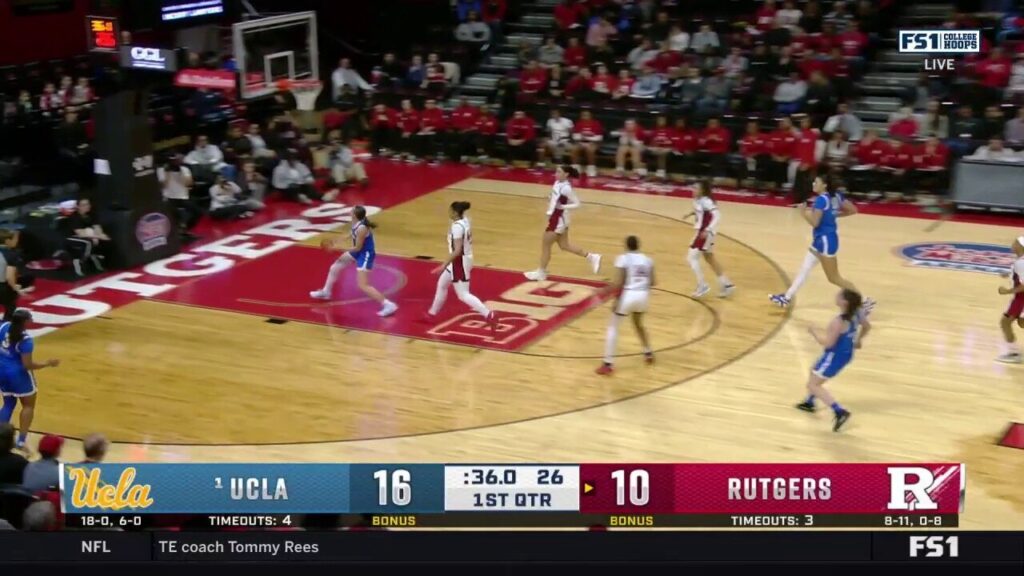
[[789, 94], [44, 473], [236, 145], [50, 99], [558, 139], [580, 87], [432, 135], [295, 180], [713, 145], [931, 166], [532, 80], [995, 151], [343, 165], [408, 123], [82, 92], [417, 73], [753, 150], [257, 144], [383, 122], [87, 240], [176, 186], [867, 158], [575, 55], [486, 132], [896, 163], [252, 183], [435, 81], [205, 160], [603, 83], [684, 147], [463, 130], [631, 147], [228, 203], [624, 85], [519, 136], [587, 135], [659, 144]]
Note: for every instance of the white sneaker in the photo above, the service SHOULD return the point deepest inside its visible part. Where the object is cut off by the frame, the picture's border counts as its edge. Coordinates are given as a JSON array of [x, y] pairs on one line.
[[701, 291], [536, 275], [320, 295], [595, 262], [1009, 358], [592, 171], [727, 291], [660, 174], [387, 309]]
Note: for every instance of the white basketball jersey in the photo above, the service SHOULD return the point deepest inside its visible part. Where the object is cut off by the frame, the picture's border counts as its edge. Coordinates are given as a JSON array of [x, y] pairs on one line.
[[460, 229], [638, 269], [706, 214]]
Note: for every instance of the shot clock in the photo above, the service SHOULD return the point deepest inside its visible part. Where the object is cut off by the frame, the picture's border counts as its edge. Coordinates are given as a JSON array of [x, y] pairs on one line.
[[102, 33]]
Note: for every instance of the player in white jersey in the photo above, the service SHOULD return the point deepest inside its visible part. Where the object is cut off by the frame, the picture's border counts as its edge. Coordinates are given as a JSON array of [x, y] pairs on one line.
[[559, 139], [634, 280], [561, 201], [455, 270], [706, 222], [1015, 311]]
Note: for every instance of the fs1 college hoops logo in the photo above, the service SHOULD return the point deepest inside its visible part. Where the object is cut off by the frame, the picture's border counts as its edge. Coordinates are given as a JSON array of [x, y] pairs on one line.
[[985, 258]]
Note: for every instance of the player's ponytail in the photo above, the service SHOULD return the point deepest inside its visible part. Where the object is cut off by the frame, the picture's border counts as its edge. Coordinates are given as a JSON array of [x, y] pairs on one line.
[[571, 171], [460, 207], [831, 185], [18, 321], [853, 303], [706, 190], [360, 213]]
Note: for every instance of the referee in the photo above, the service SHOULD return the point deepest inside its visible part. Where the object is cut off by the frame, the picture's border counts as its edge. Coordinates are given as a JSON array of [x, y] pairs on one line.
[[10, 289]]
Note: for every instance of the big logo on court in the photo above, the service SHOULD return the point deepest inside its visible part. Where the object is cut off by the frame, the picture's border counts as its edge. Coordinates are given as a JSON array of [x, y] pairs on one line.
[[985, 258]]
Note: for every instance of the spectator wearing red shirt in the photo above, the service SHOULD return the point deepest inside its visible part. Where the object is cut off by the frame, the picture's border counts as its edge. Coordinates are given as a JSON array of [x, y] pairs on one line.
[[853, 42], [931, 166], [714, 145], [533, 79], [782, 146], [631, 147], [519, 136], [433, 131], [897, 160], [764, 18], [408, 127], [903, 124], [659, 144], [603, 83], [684, 146], [623, 85], [581, 86], [569, 15], [575, 55], [812, 62], [383, 122], [492, 12], [486, 125], [994, 73], [754, 157], [666, 59], [806, 158], [587, 135], [866, 170], [435, 81], [463, 129]]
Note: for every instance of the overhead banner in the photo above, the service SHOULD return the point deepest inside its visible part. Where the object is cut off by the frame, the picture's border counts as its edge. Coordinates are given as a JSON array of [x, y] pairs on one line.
[[223, 80]]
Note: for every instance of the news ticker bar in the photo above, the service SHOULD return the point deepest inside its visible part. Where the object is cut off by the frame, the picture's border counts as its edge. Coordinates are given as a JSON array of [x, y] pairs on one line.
[[499, 521], [624, 546], [486, 488]]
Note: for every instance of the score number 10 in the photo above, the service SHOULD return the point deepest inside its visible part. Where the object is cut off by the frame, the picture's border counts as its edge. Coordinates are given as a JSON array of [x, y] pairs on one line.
[[636, 484]]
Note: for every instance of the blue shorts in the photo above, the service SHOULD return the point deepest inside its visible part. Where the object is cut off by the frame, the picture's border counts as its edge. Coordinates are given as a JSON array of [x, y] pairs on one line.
[[17, 383], [364, 260], [826, 244], [831, 364]]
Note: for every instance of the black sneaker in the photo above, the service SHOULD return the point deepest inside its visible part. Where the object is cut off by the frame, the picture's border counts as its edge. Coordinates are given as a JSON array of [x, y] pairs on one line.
[[841, 418], [805, 406]]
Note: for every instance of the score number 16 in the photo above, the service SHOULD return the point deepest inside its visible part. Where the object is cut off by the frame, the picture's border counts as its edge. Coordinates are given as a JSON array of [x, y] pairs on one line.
[[639, 485]]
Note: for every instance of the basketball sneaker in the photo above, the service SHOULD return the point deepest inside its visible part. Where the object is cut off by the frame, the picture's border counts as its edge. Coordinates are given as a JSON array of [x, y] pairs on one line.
[[805, 406], [779, 300], [492, 321], [320, 295], [1009, 358], [727, 291], [537, 275], [701, 291], [387, 309], [595, 262], [841, 417], [605, 369]]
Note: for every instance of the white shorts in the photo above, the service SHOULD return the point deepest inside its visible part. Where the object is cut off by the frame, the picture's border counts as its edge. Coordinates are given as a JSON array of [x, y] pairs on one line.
[[632, 302], [557, 223]]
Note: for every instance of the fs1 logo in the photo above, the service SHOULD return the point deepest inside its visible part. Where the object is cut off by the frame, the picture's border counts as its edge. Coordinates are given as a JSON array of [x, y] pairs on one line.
[[940, 41], [935, 546]]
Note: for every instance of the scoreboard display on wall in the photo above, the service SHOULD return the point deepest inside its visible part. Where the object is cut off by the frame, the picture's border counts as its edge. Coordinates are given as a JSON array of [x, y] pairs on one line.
[[102, 33]]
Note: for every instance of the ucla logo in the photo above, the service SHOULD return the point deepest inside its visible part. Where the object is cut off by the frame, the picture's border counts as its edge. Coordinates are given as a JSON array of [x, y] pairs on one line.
[[985, 258], [88, 490]]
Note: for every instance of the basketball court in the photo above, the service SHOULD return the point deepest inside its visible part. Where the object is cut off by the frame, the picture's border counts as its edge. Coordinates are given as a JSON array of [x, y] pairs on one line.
[[219, 355]]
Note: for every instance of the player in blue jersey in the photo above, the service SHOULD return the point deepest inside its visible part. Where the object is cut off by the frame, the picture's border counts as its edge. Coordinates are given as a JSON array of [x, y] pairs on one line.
[[845, 333], [829, 205], [17, 381], [362, 253]]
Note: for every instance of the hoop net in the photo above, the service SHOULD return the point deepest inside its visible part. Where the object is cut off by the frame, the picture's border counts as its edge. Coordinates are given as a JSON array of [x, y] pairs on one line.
[[305, 92]]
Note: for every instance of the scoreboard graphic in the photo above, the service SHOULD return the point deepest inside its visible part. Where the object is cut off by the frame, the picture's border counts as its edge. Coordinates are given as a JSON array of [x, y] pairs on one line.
[[519, 495]]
